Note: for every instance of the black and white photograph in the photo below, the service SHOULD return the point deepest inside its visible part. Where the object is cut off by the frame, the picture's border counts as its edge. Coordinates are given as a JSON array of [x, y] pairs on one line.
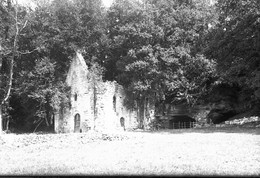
[[130, 88]]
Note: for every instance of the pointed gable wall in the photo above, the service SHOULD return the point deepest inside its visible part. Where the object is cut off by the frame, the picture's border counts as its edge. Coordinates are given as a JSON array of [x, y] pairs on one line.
[[78, 71], [80, 95]]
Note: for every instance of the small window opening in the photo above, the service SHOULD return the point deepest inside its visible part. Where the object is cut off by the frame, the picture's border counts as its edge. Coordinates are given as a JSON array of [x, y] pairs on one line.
[[114, 103], [75, 96]]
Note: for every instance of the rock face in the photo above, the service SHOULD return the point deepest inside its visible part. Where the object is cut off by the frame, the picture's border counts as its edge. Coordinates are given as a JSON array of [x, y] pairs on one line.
[[172, 116], [220, 115], [97, 105]]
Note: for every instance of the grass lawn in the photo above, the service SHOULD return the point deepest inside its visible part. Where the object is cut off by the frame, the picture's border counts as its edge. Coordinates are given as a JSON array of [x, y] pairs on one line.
[[215, 151]]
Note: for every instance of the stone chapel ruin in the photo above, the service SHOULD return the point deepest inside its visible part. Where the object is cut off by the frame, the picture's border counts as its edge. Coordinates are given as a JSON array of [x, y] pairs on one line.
[[98, 105]]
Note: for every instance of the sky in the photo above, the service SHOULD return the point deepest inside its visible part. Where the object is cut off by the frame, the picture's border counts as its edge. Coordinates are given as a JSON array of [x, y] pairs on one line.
[[107, 3]]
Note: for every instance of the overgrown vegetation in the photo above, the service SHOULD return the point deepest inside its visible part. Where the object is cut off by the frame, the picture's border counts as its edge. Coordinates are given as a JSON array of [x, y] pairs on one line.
[[207, 151], [172, 51]]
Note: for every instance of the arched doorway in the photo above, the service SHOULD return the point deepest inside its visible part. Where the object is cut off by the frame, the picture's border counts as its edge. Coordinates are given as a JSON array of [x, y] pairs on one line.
[[122, 122], [77, 123]]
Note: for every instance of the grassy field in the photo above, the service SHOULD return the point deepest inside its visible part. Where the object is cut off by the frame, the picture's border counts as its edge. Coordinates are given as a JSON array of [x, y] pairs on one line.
[[215, 151]]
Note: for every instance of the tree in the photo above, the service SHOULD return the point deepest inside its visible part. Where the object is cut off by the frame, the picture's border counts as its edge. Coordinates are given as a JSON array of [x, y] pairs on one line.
[[56, 29], [158, 48], [13, 22], [235, 44]]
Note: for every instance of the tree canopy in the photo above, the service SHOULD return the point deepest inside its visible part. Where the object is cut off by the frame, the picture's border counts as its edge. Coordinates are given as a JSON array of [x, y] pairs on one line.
[[235, 45], [157, 48], [171, 51]]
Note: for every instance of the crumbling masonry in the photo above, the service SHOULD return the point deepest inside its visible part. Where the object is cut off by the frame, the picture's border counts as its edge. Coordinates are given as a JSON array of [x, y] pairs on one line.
[[98, 105]]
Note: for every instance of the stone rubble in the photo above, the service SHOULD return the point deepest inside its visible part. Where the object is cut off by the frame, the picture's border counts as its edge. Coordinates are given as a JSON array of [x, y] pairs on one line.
[[243, 120], [50, 140], [253, 121]]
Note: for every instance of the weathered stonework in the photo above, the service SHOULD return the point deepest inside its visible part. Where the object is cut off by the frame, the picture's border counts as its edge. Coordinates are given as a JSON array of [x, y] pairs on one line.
[[97, 105]]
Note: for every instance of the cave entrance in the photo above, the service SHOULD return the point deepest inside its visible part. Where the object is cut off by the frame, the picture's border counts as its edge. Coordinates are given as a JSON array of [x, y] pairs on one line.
[[181, 122]]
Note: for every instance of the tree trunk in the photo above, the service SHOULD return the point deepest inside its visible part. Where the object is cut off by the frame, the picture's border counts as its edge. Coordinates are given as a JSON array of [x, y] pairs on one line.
[[14, 51], [1, 61], [1, 128], [7, 124], [38, 125], [47, 110], [141, 112], [95, 103]]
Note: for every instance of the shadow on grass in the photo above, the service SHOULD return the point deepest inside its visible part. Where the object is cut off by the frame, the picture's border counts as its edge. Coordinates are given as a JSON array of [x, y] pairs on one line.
[[229, 129]]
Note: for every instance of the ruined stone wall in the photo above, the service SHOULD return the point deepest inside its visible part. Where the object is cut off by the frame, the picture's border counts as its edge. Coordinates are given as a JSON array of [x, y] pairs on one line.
[[122, 110], [105, 117], [99, 105], [110, 107], [79, 97]]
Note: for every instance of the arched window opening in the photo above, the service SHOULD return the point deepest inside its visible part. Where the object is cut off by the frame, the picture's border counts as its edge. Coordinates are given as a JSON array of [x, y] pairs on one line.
[[114, 103]]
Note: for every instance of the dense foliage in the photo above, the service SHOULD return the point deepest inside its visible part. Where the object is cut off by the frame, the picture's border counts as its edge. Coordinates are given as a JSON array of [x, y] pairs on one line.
[[172, 51], [235, 45], [157, 48]]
